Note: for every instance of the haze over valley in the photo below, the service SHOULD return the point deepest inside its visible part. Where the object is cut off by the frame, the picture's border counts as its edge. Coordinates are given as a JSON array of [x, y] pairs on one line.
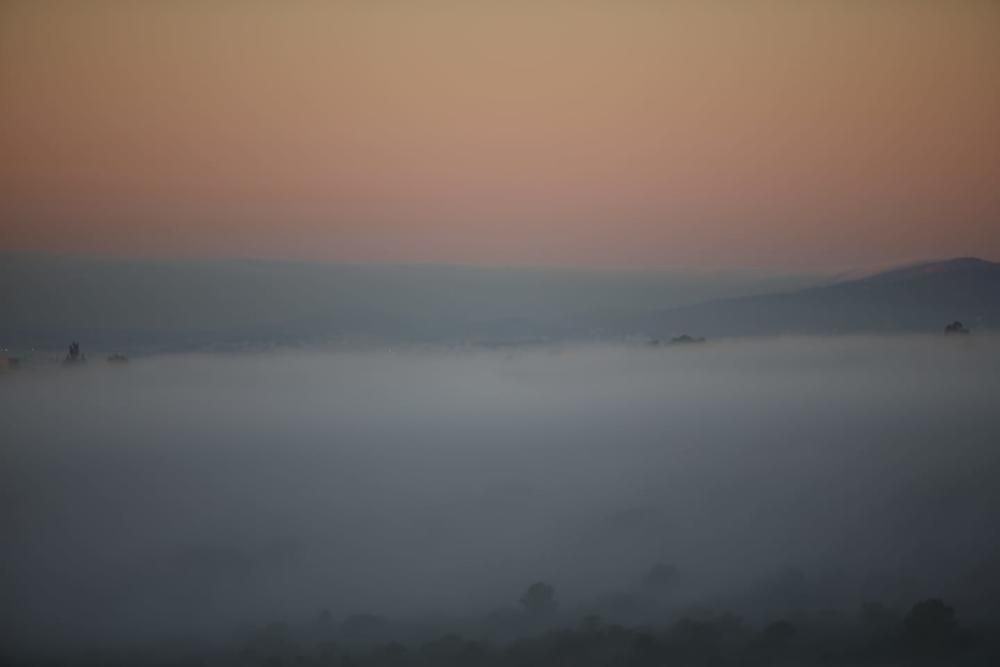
[[563, 333], [187, 497]]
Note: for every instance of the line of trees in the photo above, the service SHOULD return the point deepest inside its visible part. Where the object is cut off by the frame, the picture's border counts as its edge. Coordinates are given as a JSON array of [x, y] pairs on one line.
[[929, 633]]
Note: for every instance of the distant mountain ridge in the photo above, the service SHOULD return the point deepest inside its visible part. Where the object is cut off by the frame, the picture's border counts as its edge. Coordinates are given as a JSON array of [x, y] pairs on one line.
[[120, 305], [921, 297], [175, 305]]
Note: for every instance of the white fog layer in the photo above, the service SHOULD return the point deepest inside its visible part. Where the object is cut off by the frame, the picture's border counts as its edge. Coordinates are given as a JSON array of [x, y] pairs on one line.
[[183, 495]]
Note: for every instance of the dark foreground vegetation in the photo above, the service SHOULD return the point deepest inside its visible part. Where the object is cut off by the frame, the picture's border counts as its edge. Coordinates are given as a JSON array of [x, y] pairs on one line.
[[929, 633]]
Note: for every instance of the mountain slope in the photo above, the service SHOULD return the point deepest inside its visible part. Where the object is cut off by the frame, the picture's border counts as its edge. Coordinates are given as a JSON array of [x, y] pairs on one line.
[[917, 298]]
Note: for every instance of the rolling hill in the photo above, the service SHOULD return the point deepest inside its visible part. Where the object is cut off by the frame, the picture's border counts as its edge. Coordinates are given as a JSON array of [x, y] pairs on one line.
[[916, 298]]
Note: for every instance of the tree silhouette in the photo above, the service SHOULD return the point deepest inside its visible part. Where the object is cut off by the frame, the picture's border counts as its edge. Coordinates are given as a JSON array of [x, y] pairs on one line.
[[539, 598], [956, 327], [930, 625]]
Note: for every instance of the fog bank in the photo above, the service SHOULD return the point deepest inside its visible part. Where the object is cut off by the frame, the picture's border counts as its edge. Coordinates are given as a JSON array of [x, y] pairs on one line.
[[184, 495]]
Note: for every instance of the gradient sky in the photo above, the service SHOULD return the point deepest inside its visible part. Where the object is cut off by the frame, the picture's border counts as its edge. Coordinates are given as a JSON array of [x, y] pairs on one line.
[[789, 134]]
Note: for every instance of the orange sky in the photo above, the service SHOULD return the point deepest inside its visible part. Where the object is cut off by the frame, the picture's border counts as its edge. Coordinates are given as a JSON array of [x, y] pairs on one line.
[[623, 133]]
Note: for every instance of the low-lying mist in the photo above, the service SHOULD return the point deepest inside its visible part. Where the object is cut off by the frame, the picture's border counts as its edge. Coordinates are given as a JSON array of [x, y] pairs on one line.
[[185, 495]]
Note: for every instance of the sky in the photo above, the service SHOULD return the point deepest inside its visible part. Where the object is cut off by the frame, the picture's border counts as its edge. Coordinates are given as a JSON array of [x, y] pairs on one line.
[[635, 134]]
